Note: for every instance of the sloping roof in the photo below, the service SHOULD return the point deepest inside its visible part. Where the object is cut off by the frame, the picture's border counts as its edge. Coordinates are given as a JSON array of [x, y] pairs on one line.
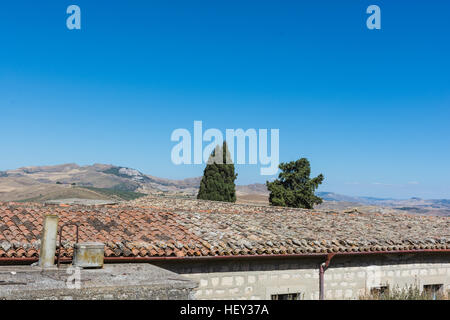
[[164, 227]]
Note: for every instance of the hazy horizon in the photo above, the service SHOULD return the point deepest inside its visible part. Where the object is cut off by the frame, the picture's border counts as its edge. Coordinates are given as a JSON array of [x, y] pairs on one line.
[[238, 184]]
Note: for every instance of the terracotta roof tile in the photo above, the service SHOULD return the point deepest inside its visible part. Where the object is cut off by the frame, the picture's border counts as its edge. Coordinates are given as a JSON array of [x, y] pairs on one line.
[[158, 226]]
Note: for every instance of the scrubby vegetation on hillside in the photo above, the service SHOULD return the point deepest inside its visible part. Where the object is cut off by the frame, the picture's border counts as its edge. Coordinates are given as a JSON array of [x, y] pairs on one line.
[[117, 192], [115, 171]]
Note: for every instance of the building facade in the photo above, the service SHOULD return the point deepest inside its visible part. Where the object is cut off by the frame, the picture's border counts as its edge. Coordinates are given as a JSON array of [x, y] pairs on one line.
[[347, 277], [248, 252]]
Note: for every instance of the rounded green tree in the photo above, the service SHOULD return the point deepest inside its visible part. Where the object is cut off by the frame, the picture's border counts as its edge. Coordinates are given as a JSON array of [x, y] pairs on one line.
[[218, 178], [294, 187]]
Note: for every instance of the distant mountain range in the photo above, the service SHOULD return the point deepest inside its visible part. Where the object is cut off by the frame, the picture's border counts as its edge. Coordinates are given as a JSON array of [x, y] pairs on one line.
[[110, 182], [331, 196], [43, 183], [440, 207]]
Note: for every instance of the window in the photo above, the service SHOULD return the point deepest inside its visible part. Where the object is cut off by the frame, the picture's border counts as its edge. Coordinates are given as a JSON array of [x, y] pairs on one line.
[[433, 290], [379, 291], [286, 296]]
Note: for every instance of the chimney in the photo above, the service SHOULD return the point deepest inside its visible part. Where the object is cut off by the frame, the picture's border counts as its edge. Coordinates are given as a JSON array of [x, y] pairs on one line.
[[48, 241]]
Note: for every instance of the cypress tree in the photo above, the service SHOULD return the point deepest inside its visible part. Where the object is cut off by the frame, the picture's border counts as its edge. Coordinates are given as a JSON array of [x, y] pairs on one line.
[[218, 177]]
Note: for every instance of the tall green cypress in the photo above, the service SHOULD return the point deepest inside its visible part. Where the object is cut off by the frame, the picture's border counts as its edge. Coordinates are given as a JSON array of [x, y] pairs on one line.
[[218, 178]]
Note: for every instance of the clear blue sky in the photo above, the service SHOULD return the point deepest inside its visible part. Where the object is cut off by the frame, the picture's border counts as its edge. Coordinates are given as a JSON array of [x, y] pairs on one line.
[[370, 109]]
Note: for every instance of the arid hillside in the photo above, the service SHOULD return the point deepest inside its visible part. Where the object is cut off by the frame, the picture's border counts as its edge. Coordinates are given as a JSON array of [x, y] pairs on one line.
[[90, 182], [101, 181]]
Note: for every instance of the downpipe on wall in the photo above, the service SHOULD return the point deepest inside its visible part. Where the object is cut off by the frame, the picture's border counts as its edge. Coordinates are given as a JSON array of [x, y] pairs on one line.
[[322, 268]]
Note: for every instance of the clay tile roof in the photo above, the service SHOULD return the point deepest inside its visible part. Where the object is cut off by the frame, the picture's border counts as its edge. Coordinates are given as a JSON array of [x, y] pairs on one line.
[[161, 227]]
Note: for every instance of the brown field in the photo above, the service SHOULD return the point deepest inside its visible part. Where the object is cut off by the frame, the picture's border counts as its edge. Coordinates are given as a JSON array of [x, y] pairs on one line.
[[258, 199]]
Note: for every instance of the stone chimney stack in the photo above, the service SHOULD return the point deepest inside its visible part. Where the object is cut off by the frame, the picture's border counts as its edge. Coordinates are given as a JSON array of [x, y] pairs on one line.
[[48, 241]]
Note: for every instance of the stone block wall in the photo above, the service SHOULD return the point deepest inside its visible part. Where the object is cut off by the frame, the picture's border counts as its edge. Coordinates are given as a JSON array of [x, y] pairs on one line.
[[346, 278]]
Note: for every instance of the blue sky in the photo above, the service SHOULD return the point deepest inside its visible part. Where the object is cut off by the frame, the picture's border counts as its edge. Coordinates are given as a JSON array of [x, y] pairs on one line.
[[369, 108]]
